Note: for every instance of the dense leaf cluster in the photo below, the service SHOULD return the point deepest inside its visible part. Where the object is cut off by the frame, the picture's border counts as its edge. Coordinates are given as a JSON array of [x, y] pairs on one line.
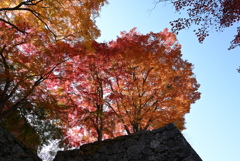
[[81, 89], [135, 83]]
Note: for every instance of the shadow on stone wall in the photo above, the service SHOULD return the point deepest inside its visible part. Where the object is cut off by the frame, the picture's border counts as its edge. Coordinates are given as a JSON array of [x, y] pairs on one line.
[[163, 144], [12, 150]]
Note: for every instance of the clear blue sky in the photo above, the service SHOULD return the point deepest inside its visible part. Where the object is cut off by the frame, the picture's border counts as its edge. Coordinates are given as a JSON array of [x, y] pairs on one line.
[[213, 124]]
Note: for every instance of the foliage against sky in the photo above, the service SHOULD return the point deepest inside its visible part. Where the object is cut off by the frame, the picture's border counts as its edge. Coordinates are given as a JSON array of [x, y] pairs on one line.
[[26, 60], [135, 83], [60, 18], [29, 56], [209, 15]]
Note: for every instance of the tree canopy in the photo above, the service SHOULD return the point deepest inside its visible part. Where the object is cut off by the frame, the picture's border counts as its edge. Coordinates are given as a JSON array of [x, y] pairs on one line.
[[60, 18], [135, 83], [208, 14], [29, 55], [25, 62], [85, 91]]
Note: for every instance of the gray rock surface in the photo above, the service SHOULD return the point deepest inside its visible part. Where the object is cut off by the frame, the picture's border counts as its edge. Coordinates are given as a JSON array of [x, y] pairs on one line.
[[163, 144], [12, 150]]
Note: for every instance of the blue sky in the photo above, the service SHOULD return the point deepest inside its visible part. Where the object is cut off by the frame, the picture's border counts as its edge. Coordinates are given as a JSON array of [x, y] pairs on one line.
[[213, 124]]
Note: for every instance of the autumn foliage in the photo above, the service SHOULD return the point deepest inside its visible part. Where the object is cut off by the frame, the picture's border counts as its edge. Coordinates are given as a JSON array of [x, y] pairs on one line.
[[208, 14], [135, 83], [26, 61], [90, 91], [59, 18], [29, 55]]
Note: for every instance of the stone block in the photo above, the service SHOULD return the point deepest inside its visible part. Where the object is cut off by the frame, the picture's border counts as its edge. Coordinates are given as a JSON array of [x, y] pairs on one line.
[[13, 150], [163, 144]]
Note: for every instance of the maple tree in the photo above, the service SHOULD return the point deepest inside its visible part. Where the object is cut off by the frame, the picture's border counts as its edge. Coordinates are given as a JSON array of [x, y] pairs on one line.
[[25, 63], [135, 83], [159, 87], [29, 56], [60, 18], [84, 88], [209, 14]]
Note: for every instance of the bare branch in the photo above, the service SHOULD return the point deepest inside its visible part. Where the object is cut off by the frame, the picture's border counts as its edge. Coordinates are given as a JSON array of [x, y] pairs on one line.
[[17, 7], [14, 26]]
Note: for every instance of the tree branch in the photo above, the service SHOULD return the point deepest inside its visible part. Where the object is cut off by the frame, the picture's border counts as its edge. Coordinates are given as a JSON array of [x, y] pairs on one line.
[[35, 13], [37, 82], [3, 98], [27, 3], [14, 26]]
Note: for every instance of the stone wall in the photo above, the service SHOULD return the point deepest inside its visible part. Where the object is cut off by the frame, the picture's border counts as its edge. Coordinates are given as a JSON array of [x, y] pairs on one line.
[[12, 150], [163, 144]]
